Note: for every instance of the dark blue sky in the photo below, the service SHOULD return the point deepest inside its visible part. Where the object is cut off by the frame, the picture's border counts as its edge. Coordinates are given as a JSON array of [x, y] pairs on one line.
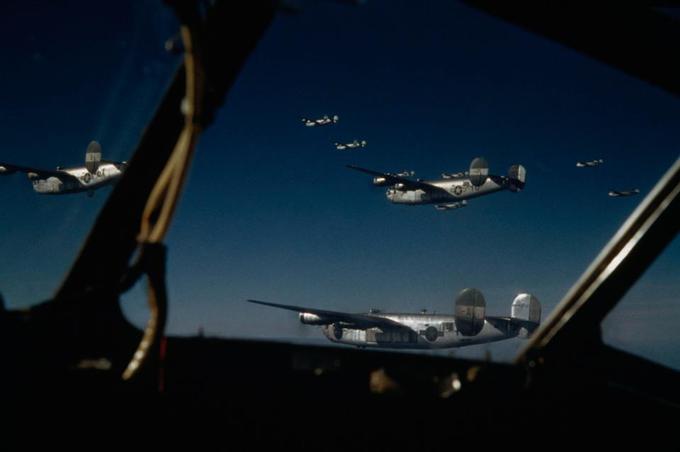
[[270, 212]]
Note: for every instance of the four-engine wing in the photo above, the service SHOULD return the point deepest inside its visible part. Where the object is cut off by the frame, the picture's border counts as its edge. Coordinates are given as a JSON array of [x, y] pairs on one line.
[[392, 179], [358, 321], [8, 168]]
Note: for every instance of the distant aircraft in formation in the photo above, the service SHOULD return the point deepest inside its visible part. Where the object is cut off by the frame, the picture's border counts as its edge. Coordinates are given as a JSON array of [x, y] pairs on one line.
[[351, 145], [405, 173], [612, 193], [589, 164], [468, 325], [96, 173], [619, 193], [449, 192], [451, 206], [324, 121], [454, 175]]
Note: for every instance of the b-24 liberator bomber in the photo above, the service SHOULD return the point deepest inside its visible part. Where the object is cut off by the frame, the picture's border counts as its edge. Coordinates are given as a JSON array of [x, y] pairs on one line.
[[589, 164], [451, 191], [454, 175], [356, 144], [96, 173], [620, 193], [323, 121], [469, 324]]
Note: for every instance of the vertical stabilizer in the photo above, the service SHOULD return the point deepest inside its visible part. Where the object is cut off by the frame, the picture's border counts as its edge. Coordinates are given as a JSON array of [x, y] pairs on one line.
[[517, 175], [479, 171], [470, 310], [93, 156], [527, 309]]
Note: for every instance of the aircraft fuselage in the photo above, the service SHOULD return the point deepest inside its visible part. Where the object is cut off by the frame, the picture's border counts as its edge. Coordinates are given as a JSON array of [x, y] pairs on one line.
[[427, 331], [452, 190], [106, 174]]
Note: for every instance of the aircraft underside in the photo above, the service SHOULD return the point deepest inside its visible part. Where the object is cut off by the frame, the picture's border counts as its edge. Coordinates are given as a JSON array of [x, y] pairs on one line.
[[452, 192], [439, 336], [56, 186]]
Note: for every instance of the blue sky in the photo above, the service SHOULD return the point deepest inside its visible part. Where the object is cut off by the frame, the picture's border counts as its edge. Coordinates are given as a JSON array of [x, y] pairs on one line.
[[270, 211]]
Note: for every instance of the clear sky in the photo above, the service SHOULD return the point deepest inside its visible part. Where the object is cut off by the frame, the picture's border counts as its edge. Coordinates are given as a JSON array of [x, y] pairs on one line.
[[271, 212]]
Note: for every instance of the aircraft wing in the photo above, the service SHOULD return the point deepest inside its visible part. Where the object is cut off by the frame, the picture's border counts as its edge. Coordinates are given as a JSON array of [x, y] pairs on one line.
[[8, 168], [359, 321], [392, 179]]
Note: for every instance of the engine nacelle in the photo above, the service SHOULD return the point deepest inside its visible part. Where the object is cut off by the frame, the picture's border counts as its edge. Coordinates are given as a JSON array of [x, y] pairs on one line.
[[380, 181], [308, 318], [470, 311]]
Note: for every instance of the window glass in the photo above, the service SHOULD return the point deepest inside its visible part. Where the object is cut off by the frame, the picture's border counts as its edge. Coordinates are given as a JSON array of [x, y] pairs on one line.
[[414, 92], [645, 322], [73, 72]]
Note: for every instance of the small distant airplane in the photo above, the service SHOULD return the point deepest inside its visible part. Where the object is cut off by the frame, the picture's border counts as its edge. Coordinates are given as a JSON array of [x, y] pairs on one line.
[[589, 164], [451, 206], [468, 325], [405, 173], [454, 175], [95, 174], [351, 145], [449, 192], [326, 120], [619, 193]]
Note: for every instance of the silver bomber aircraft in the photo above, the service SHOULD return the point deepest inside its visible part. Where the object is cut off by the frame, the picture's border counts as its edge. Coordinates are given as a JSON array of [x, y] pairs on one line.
[[619, 193], [96, 173], [468, 325], [590, 163], [326, 120], [356, 144], [452, 190]]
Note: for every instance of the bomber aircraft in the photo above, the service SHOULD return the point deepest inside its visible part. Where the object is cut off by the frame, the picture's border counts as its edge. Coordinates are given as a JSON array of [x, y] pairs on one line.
[[449, 192], [619, 193], [468, 325], [453, 175], [590, 163], [96, 173], [351, 145], [326, 120]]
